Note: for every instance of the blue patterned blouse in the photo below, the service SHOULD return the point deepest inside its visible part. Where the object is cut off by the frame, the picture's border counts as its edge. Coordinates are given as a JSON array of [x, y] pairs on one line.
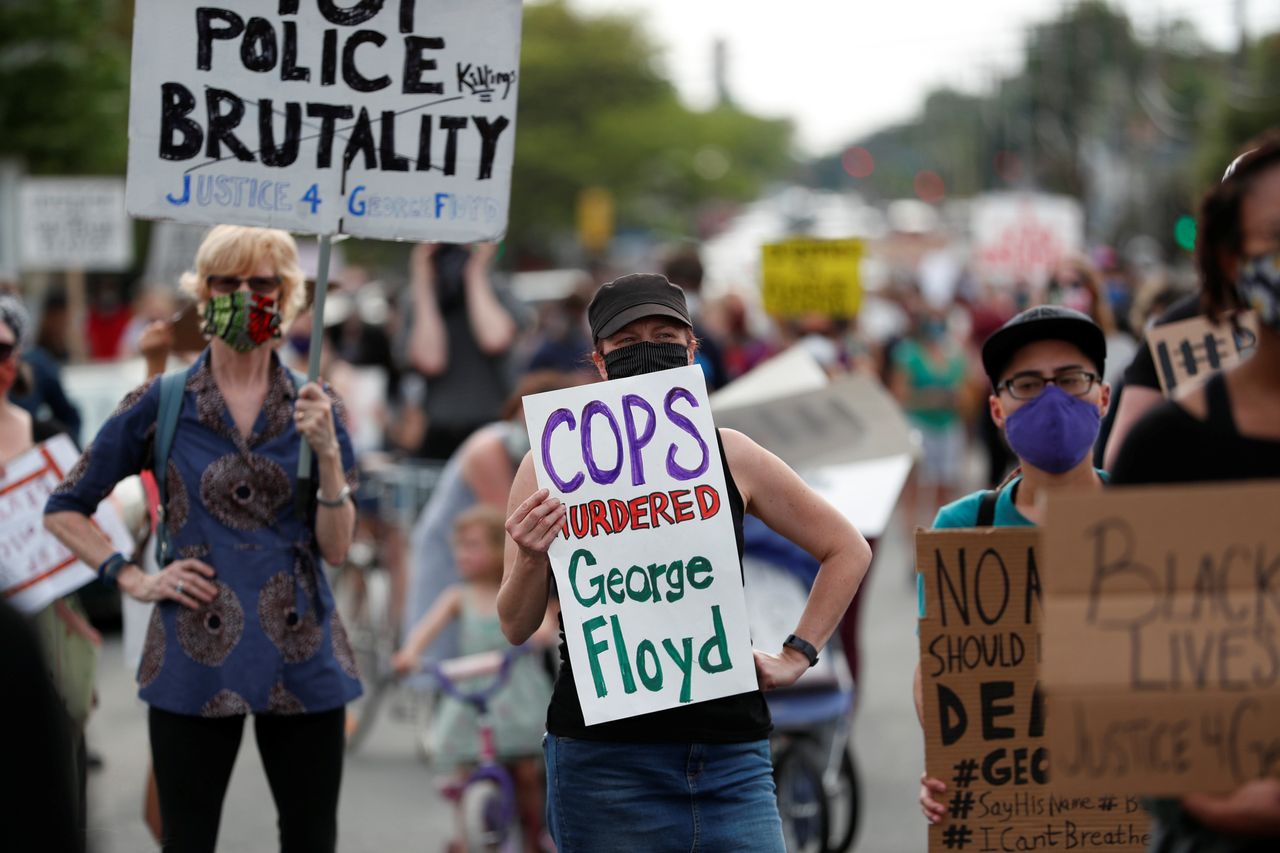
[[271, 642]]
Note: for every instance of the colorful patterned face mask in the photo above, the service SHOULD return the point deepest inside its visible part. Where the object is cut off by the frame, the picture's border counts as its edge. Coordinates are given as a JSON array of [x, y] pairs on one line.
[[1259, 285], [244, 321]]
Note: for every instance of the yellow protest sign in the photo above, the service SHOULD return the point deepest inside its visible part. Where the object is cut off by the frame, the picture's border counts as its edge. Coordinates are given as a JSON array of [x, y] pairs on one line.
[[807, 276]]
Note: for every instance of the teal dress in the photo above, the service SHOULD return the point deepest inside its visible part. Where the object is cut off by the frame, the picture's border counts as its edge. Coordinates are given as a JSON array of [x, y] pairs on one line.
[[517, 710]]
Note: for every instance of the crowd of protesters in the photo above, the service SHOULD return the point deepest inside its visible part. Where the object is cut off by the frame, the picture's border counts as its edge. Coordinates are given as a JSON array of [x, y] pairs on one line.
[[1017, 387]]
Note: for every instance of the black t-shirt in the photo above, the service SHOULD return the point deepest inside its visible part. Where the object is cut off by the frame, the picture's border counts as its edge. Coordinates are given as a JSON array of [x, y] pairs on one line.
[[1169, 445], [1142, 370], [729, 719]]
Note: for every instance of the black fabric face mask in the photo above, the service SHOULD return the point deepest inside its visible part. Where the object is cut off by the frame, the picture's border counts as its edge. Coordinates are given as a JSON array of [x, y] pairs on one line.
[[644, 357]]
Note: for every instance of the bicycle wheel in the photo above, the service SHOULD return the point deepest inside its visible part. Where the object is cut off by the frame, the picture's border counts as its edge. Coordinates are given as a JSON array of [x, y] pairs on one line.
[[361, 599], [487, 817], [842, 807], [802, 804]]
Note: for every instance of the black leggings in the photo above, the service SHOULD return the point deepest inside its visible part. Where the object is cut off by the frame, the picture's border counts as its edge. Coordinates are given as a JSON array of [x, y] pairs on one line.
[[302, 757]]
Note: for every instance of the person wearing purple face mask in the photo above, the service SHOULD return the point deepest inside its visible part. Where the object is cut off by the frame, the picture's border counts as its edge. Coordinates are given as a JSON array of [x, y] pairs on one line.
[[1045, 367]]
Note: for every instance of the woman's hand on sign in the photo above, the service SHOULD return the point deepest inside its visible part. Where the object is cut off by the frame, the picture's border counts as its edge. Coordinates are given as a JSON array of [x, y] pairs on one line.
[[782, 670], [931, 788], [314, 415], [187, 582], [536, 522]]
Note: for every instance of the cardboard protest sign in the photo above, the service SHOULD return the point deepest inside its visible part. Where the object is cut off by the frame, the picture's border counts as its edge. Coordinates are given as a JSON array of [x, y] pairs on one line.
[[647, 562], [807, 276], [386, 120], [35, 568], [1162, 647], [73, 223], [1190, 351], [1023, 236], [984, 714], [850, 419]]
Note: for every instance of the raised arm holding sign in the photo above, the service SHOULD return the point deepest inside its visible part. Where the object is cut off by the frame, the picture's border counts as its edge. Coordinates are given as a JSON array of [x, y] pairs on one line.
[[640, 506]]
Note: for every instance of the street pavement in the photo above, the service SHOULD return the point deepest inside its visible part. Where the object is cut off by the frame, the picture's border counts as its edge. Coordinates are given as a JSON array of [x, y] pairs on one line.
[[389, 801]]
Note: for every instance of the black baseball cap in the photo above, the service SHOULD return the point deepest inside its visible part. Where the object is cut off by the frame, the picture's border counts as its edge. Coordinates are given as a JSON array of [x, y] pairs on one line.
[[1043, 323], [630, 297]]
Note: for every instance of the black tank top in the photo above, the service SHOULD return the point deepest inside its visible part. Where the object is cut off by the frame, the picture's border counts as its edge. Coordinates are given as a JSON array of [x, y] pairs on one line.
[[729, 719]]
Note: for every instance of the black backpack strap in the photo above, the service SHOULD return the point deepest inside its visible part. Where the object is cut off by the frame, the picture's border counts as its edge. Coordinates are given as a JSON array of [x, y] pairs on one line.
[[987, 508]]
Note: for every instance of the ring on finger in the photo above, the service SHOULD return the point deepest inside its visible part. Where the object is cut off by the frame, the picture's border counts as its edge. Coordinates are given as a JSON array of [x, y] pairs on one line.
[[178, 588]]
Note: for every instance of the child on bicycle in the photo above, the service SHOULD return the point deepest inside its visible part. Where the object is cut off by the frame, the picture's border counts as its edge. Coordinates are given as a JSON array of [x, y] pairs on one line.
[[517, 708]]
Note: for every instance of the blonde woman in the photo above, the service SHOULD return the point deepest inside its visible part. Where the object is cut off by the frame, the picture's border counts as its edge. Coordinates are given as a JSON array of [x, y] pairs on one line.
[[244, 622]]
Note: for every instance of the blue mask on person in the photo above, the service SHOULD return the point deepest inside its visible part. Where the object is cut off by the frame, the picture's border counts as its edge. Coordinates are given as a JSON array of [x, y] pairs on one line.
[[1053, 432]]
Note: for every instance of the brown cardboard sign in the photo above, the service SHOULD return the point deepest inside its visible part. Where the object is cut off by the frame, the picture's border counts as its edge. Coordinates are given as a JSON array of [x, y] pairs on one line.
[[984, 714], [1162, 645], [1190, 351]]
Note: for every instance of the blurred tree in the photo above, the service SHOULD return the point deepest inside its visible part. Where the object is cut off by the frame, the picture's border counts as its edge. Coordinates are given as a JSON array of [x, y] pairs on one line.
[[1244, 105], [64, 84], [596, 110]]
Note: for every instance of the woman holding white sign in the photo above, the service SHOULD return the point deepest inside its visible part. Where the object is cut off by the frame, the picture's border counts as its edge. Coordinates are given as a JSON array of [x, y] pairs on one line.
[[245, 621], [696, 776], [1226, 429]]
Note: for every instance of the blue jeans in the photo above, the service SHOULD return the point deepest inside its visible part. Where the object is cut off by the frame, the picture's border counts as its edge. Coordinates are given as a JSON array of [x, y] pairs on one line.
[[693, 798]]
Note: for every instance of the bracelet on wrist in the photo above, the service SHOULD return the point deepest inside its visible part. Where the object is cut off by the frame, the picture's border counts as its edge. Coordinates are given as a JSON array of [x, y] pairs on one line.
[[337, 501], [110, 568], [803, 647]]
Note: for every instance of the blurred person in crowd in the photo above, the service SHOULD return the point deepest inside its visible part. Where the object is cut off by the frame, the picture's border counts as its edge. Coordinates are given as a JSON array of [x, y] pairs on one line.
[[461, 335], [38, 388], [108, 317], [928, 378], [38, 802], [744, 343], [70, 643], [516, 708], [640, 324], [362, 338], [560, 342], [156, 303], [1225, 429], [683, 267], [1045, 370], [988, 312], [1077, 285], [244, 621], [479, 473]]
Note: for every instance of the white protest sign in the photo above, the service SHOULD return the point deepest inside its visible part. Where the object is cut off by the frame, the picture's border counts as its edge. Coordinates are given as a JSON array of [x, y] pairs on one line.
[[35, 568], [1024, 236], [387, 120], [73, 223], [647, 563]]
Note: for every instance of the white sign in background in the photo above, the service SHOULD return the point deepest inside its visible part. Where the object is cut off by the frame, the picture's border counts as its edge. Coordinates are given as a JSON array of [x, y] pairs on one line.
[[391, 120], [632, 654], [74, 224], [35, 568], [1024, 236]]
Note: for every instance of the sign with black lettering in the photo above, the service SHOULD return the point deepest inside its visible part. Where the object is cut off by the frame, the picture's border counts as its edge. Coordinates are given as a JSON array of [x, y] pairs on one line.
[[647, 560], [1162, 648], [809, 276], [984, 711], [74, 224], [392, 119], [1190, 351]]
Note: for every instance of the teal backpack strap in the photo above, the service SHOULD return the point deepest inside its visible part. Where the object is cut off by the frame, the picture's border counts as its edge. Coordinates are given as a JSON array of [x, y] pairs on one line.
[[172, 386]]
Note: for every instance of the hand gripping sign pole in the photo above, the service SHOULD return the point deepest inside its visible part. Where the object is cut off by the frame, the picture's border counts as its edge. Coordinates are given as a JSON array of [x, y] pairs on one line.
[[306, 489]]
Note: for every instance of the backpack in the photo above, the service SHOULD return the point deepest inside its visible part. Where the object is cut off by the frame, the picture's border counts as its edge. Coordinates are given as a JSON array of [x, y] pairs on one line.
[[172, 386]]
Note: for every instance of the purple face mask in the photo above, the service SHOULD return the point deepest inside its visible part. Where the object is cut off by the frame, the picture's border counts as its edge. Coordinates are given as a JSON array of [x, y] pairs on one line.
[[1054, 431]]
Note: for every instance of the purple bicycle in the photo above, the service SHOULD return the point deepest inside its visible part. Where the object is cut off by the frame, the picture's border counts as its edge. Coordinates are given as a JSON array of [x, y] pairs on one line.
[[486, 798]]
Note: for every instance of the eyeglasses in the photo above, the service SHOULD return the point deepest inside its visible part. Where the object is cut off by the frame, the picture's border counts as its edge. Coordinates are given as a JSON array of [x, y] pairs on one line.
[[259, 284], [7, 350], [1027, 386]]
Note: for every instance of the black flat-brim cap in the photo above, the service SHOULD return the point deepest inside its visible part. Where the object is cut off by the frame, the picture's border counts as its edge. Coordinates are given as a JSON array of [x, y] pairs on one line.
[[630, 297], [1043, 323]]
